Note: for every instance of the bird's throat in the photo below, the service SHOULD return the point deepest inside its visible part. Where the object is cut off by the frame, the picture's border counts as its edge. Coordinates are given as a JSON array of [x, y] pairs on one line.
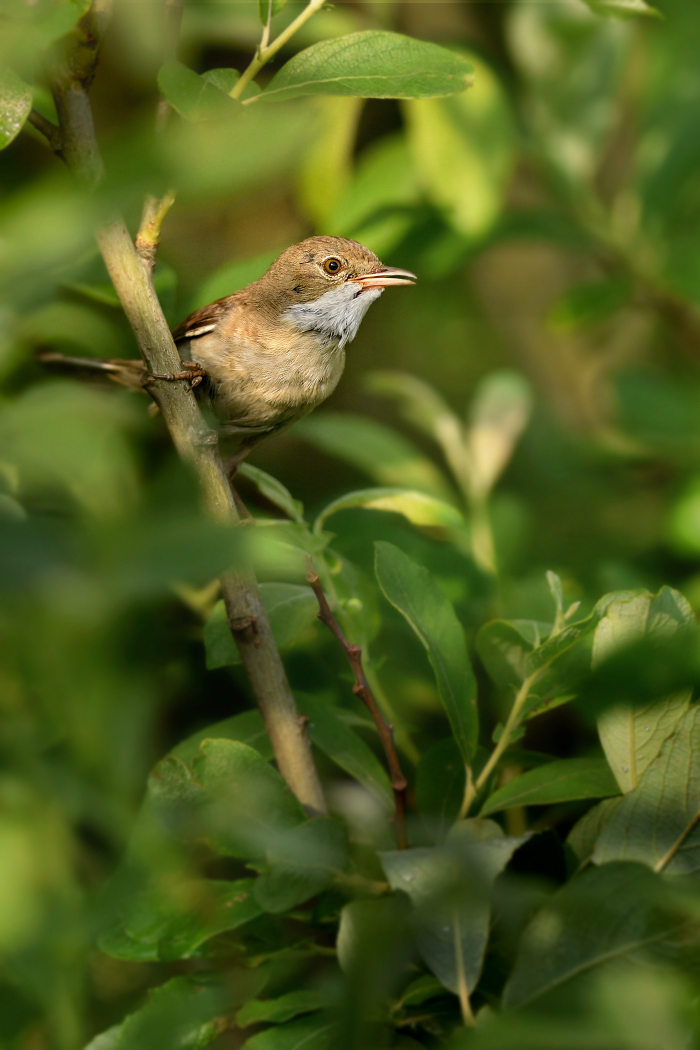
[[335, 315]]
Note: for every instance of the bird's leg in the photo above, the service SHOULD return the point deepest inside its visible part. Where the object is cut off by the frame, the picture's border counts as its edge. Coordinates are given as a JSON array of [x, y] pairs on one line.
[[191, 370]]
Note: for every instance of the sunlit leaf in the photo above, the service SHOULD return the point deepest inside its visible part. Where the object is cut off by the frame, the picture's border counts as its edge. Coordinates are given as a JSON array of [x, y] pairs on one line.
[[343, 745], [326, 169], [463, 149], [372, 64], [657, 822], [378, 450], [622, 8], [602, 914], [419, 508], [562, 781], [15, 105], [247, 727], [499, 413], [413, 591]]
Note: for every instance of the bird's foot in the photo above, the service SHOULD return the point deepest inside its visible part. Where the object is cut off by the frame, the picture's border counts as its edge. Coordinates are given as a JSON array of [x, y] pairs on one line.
[[191, 371]]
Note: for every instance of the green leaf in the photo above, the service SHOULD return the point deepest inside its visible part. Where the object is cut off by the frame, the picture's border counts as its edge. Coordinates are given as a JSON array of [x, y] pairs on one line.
[[172, 921], [15, 105], [181, 1014], [421, 510], [302, 861], [420, 991], [440, 783], [277, 1011], [230, 798], [602, 914], [422, 406], [563, 781], [372, 64], [273, 490], [450, 888], [247, 727], [377, 450], [463, 149], [194, 97], [499, 413], [413, 591], [504, 647], [585, 833], [633, 736], [292, 609], [590, 303], [308, 1033], [231, 278], [657, 822], [267, 9], [622, 8], [342, 744]]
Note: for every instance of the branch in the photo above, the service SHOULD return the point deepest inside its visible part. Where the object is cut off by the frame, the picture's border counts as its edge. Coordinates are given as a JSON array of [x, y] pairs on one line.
[[50, 131], [195, 442], [152, 218], [362, 689]]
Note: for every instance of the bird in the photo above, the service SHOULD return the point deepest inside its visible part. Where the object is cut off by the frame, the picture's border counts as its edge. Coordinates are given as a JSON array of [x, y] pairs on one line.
[[267, 355]]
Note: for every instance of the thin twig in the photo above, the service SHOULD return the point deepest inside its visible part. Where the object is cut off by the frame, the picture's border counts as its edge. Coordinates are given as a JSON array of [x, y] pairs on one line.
[[265, 53], [362, 689], [148, 237], [50, 131], [173, 21]]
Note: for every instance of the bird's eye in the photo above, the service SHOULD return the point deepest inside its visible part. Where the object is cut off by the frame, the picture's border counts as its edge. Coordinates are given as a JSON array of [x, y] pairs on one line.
[[332, 266]]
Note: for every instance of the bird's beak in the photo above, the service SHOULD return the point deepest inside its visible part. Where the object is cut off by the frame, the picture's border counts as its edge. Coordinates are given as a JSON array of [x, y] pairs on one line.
[[383, 277]]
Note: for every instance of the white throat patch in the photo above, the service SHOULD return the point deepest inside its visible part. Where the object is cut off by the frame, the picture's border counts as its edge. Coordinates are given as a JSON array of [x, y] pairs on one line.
[[336, 314]]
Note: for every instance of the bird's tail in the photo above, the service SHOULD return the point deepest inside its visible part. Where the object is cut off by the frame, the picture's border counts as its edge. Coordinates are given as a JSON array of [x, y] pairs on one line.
[[127, 371]]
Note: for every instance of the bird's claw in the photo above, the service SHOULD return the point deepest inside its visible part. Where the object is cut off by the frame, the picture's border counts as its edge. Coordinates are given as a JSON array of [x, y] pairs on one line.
[[191, 371]]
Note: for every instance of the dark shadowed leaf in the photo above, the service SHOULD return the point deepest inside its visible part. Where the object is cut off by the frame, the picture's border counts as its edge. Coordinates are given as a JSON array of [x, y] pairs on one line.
[[277, 1011], [173, 921], [309, 1033], [585, 833], [413, 591], [563, 781], [273, 490], [343, 745], [302, 861], [440, 782], [602, 914], [450, 888], [372, 64]]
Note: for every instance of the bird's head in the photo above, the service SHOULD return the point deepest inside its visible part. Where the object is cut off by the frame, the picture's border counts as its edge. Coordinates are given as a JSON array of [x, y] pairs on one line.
[[326, 284]]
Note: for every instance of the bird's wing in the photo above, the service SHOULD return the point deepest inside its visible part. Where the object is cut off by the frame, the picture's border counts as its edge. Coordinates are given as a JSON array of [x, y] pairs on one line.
[[204, 320]]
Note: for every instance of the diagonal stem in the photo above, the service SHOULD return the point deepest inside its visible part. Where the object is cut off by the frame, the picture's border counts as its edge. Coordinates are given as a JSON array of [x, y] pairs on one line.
[[362, 689], [266, 52]]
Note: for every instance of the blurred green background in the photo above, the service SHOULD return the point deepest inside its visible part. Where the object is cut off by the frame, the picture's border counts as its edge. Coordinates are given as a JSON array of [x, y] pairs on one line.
[[551, 215]]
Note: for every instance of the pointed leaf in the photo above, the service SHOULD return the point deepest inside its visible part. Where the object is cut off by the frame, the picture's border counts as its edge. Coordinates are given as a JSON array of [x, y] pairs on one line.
[[563, 781], [413, 591], [372, 64], [421, 510], [602, 914], [622, 8], [247, 727], [277, 1011], [15, 105], [585, 833], [657, 823], [192, 96], [273, 490], [267, 9], [343, 745], [450, 888], [440, 782]]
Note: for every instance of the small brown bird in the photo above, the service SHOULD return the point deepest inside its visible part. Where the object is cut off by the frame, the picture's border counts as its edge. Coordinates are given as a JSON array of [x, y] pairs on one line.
[[271, 352]]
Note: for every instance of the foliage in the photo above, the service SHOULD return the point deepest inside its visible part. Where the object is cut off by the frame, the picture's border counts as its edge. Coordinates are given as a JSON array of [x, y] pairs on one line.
[[160, 884]]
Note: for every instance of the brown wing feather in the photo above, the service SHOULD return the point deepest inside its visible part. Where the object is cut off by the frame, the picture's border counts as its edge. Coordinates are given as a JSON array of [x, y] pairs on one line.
[[203, 320]]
